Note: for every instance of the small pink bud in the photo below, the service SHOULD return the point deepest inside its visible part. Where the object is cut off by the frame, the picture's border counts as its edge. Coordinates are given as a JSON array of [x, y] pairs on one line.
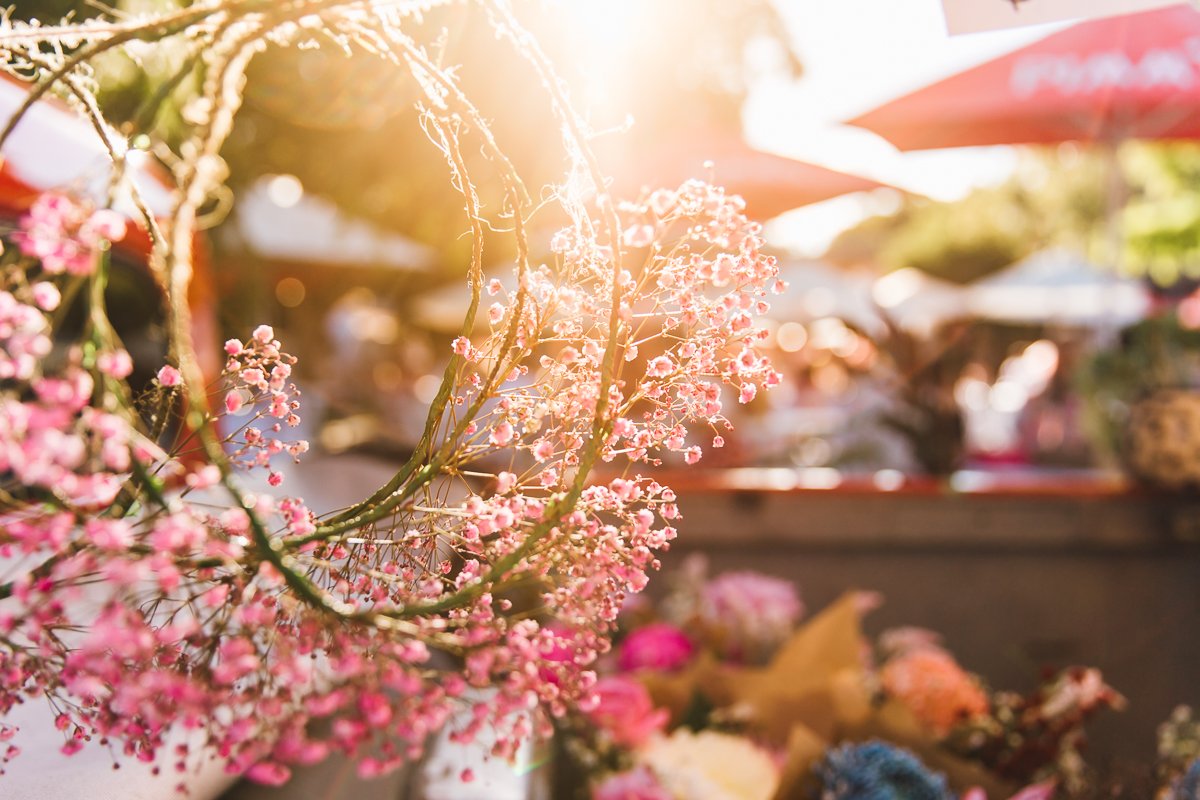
[[116, 364], [169, 376], [234, 401], [502, 434], [108, 224], [216, 596], [46, 295]]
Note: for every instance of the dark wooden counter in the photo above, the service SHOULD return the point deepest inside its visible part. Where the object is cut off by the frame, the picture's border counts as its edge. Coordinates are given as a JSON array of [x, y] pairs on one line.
[[1076, 511]]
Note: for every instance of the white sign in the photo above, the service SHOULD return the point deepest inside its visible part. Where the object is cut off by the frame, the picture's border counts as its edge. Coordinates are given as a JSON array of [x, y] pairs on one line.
[[970, 16]]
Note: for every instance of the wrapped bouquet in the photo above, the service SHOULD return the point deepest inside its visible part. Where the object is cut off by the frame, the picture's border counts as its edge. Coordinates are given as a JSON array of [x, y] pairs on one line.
[[723, 691]]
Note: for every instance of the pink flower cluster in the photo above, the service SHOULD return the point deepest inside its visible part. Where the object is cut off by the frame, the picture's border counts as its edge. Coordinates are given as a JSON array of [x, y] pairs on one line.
[[64, 233], [24, 338], [750, 613], [686, 320], [54, 443], [260, 390], [256, 621]]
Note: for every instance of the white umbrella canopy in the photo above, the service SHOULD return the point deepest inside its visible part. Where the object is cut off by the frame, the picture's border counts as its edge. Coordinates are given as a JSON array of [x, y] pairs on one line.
[[817, 289], [278, 220], [908, 297], [1059, 286], [917, 301]]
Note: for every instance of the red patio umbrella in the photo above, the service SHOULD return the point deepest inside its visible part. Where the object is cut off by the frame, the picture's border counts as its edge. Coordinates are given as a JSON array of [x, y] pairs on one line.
[[1135, 76], [53, 148], [769, 184]]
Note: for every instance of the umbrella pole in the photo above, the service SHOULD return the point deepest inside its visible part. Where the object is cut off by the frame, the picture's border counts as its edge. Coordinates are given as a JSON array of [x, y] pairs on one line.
[[1116, 193]]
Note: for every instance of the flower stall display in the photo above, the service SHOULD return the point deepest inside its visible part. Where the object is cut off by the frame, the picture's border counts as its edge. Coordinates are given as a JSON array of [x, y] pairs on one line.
[[1179, 756], [148, 584], [820, 712]]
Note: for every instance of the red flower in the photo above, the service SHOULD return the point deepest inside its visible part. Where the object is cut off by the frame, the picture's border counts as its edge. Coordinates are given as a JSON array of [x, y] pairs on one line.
[[658, 646], [625, 711]]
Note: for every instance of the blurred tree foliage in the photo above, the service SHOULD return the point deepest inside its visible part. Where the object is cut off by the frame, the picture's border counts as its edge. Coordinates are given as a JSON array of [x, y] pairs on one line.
[[963, 241], [1062, 197], [1161, 222], [342, 121]]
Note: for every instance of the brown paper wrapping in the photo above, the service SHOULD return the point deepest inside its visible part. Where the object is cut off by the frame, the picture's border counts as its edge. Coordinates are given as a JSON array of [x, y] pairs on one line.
[[812, 696]]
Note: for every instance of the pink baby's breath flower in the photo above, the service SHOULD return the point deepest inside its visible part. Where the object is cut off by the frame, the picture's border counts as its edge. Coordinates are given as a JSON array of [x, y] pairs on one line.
[[46, 295], [543, 450], [115, 363], [65, 233], [723, 268], [502, 434], [269, 774], [169, 376], [505, 481], [283, 652], [216, 596], [234, 401], [660, 367], [107, 224], [638, 235], [109, 534]]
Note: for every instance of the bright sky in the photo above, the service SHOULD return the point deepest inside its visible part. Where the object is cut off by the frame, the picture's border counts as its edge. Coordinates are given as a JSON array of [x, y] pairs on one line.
[[856, 55]]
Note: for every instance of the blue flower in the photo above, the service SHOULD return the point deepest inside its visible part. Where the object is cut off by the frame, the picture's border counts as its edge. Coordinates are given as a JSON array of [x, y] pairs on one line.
[[1187, 785], [877, 771]]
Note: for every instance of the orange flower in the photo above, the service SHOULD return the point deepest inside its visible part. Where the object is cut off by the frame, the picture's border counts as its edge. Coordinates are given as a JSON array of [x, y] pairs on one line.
[[935, 688]]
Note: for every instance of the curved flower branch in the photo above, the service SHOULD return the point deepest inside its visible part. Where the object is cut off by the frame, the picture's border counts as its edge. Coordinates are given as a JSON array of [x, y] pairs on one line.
[[147, 588]]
